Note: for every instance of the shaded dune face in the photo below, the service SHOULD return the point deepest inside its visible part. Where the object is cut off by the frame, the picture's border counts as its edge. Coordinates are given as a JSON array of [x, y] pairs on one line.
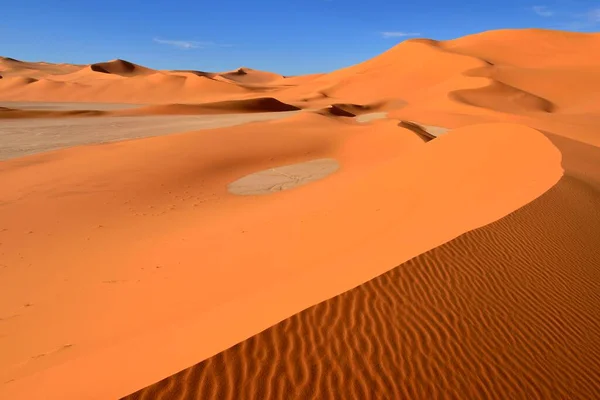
[[118, 67], [509, 310], [258, 105], [500, 97]]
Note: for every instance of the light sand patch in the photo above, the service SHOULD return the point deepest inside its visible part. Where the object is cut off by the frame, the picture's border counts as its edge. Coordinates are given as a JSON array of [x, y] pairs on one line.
[[283, 178], [36, 135], [371, 117], [64, 106]]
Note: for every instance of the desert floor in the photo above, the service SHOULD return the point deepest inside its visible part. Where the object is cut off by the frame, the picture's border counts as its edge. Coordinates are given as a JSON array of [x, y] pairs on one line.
[[423, 224]]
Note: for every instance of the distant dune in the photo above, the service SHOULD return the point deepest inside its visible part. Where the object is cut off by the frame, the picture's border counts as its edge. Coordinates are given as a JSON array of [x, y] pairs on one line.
[[250, 76], [259, 105], [425, 225], [120, 67], [263, 104]]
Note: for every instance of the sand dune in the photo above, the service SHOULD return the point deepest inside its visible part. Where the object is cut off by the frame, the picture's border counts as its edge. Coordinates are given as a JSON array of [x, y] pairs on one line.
[[436, 236], [250, 76], [529, 48], [504, 98], [257, 105], [141, 203], [474, 318], [10, 67], [120, 67]]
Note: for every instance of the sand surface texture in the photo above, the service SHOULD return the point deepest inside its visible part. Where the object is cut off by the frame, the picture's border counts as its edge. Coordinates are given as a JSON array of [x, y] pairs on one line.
[[420, 225], [24, 136]]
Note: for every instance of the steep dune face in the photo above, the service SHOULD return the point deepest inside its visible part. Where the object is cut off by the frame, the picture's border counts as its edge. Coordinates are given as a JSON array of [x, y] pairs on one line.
[[161, 206], [400, 72], [120, 67], [157, 87], [259, 105], [478, 317]]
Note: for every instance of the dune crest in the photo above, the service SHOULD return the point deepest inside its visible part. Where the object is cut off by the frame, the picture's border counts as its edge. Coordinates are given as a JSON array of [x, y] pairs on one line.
[[478, 185], [256, 105], [470, 300], [120, 67]]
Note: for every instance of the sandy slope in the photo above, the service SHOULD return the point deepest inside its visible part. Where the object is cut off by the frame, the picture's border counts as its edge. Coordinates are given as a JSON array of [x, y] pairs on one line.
[[168, 224], [192, 269], [509, 310]]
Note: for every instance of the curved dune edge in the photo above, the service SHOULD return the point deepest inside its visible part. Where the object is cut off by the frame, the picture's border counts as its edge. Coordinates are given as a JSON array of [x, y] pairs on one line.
[[282, 178], [255, 105], [476, 175], [506, 310]]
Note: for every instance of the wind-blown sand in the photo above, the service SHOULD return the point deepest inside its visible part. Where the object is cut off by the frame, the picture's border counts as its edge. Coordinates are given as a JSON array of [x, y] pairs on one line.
[[507, 310], [449, 251]]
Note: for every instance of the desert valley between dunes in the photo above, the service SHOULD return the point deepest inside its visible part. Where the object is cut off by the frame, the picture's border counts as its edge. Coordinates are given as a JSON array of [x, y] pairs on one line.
[[424, 224]]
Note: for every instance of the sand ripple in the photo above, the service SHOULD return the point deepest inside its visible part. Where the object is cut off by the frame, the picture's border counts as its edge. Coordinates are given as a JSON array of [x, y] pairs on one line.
[[507, 311]]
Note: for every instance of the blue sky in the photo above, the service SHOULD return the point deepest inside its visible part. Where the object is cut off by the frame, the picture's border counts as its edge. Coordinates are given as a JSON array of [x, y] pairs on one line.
[[289, 37]]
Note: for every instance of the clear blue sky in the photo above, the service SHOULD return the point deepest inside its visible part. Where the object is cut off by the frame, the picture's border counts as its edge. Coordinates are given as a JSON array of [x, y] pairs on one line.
[[289, 37]]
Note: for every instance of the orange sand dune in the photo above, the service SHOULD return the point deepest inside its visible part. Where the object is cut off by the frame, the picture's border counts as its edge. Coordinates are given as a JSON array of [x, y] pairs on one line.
[[501, 97], [257, 105], [250, 76], [506, 311], [136, 260], [389, 76], [264, 104], [420, 71], [161, 206], [529, 48], [554, 65], [156, 87], [120, 67], [123, 81], [12, 67]]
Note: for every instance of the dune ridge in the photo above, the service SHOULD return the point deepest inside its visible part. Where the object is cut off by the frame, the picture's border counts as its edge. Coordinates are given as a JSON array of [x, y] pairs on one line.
[[120, 67], [475, 317], [262, 104]]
